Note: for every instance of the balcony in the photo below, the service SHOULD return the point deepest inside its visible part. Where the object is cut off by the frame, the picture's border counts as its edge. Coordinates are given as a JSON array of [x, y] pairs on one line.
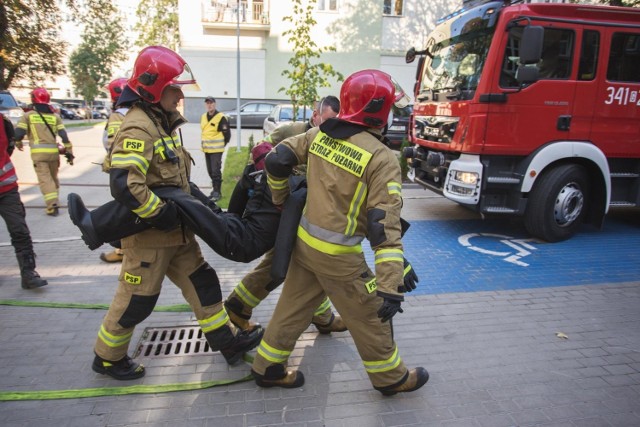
[[254, 14]]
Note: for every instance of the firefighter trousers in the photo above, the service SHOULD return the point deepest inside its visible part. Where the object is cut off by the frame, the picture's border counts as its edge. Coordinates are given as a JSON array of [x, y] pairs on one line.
[[302, 293], [140, 282], [47, 173], [13, 213], [257, 285]]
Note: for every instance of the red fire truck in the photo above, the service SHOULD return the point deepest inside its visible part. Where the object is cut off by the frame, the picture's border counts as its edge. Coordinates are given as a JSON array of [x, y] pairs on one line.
[[531, 110]]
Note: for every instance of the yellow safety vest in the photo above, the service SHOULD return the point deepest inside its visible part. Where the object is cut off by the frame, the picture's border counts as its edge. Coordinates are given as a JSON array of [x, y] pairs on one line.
[[212, 138]]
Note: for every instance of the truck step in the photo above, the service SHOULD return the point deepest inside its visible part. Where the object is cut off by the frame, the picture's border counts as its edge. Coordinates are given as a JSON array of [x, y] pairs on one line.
[[624, 175], [499, 209], [622, 203]]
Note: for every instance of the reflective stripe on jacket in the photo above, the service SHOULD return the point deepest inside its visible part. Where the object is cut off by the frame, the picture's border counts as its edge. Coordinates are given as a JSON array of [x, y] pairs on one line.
[[42, 142]]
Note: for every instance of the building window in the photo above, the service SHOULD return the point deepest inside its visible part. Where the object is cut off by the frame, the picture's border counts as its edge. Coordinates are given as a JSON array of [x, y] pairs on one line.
[[392, 7], [328, 5]]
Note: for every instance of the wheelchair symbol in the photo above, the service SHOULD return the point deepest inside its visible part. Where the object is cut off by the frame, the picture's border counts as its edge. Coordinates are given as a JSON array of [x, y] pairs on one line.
[[521, 247]]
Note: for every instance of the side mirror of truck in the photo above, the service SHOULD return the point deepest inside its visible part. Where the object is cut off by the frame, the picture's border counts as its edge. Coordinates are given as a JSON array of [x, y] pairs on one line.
[[410, 56], [531, 44], [526, 74]]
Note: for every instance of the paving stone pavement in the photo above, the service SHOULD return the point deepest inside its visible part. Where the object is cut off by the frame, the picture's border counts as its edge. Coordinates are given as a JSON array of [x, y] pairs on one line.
[[494, 356]]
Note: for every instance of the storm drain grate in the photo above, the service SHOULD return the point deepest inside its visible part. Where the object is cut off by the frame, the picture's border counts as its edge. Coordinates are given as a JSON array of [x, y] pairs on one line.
[[172, 341]]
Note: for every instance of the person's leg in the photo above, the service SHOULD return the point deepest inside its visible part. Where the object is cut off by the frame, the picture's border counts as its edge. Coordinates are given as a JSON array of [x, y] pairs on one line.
[[13, 213], [216, 175], [139, 285], [301, 294], [373, 338], [47, 187], [201, 288]]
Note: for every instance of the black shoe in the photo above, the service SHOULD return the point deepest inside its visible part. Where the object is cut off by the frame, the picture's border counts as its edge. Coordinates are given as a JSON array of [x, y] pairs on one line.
[[53, 210], [81, 218], [32, 280], [215, 196], [243, 342], [291, 379], [123, 369]]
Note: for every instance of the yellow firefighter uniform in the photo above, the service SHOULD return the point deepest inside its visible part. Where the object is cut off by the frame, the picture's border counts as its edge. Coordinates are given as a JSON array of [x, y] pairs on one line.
[[147, 153], [40, 128], [354, 190]]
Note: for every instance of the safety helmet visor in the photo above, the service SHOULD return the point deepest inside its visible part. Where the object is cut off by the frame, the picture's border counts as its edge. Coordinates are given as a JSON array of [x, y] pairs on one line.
[[186, 80], [400, 97]]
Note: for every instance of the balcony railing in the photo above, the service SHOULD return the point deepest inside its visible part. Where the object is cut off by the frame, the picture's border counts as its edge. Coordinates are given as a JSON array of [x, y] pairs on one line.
[[252, 12]]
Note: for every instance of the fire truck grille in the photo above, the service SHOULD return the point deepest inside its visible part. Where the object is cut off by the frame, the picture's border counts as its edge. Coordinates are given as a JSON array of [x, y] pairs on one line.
[[172, 341]]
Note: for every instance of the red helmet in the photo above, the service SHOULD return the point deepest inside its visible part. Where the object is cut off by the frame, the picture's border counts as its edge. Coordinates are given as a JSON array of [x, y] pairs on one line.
[[116, 87], [366, 97], [157, 67], [40, 96]]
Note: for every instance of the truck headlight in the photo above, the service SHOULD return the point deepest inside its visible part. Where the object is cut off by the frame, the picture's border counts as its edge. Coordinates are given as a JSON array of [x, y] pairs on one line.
[[470, 178]]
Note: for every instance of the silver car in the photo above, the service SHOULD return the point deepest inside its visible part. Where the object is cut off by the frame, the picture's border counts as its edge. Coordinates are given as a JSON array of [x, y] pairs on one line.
[[9, 107], [252, 114], [284, 113]]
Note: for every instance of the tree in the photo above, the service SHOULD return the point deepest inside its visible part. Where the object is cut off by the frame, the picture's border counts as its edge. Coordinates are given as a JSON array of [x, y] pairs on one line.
[[158, 23], [31, 47], [306, 77], [103, 45]]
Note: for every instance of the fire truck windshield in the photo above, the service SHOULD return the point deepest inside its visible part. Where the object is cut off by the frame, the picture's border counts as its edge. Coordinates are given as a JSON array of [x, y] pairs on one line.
[[458, 49]]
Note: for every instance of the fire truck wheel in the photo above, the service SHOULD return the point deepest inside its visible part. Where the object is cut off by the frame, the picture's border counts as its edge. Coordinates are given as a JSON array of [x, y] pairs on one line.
[[557, 203]]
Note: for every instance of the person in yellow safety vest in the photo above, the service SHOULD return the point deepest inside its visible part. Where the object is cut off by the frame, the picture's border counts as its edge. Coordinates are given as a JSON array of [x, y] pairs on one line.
[[111, 129], [216, 133], [41, 125], [354, 191], [257, 284], [148, 154]]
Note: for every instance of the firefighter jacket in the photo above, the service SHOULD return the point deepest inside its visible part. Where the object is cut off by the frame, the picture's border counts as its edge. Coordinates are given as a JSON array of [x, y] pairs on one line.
[[113, 125], [354, 191], [287, 130], [40, 126], [215, 132], [147, 153], [8, 178]]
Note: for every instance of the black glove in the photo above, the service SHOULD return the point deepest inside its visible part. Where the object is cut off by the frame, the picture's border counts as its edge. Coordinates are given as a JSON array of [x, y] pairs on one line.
[[166, 219], [11, 147], [69, 157], [389, 309], [410, 278]]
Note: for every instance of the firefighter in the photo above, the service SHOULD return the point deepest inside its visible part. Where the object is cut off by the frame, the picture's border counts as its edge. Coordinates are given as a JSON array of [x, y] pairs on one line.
[[258, 283], [216, 134], [41, 125], [12, 210], [147, 154], [111, 129], [354, 191]]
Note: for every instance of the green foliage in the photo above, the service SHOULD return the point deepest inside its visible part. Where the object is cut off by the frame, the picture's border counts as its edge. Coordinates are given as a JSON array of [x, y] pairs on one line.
[[626, 3], [31, 46], [233, 167], [158, 23], [305, 75], [103, 45]]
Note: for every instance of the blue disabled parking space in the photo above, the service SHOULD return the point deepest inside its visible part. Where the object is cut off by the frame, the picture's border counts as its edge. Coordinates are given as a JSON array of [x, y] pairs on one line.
[[477, 255]]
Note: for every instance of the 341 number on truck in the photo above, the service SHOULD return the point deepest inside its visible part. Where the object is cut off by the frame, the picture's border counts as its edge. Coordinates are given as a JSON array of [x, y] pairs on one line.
[[531, 110]]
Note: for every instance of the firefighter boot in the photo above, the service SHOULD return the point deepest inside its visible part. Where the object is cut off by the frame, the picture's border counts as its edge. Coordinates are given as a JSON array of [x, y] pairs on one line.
[[234, 307], [276, 376], [30, 277], [110, 222], [335, 325], [414, 379], [242, 342], [123, 369], [53, 210]]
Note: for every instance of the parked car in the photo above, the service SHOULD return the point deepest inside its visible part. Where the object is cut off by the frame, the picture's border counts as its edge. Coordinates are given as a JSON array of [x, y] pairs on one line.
[[284, 113], [79, 109], [398, 130], [9, 107], [100, 112], [252, 114]]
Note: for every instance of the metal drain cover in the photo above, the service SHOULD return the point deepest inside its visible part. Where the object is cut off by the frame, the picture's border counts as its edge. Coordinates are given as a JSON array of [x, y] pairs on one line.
[[172, 341]]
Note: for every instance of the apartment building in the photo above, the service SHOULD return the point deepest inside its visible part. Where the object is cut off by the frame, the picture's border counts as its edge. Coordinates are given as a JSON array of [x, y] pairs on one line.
[[366, 34]]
